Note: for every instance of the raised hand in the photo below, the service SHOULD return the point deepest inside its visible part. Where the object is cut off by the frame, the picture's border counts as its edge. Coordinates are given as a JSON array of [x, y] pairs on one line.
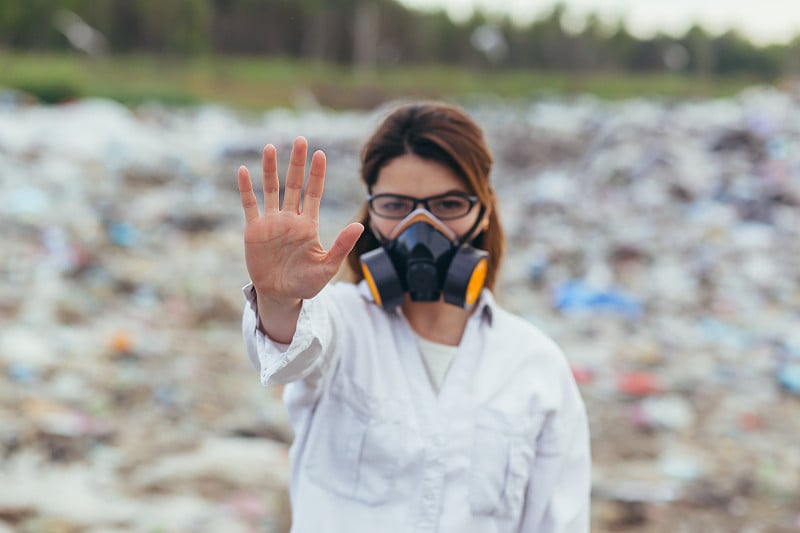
[[283, 253]]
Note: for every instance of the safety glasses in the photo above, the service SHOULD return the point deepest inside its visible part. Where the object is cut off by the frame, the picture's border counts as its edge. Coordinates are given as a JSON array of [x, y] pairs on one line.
[[447, 206]]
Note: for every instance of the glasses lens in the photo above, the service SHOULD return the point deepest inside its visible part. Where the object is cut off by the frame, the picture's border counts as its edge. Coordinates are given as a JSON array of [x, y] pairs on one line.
[[391, 206], [449, 206]]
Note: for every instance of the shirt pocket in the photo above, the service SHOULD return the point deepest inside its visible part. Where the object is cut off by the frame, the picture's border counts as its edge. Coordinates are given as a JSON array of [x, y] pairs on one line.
[[502, 455], [356, 449]]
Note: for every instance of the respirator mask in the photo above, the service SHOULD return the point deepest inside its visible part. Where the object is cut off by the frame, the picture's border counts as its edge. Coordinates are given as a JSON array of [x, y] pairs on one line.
[[427, 260]]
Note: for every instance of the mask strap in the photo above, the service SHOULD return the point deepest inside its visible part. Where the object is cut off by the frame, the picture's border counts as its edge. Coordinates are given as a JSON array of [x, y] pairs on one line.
[[477, 223], [381, 237]]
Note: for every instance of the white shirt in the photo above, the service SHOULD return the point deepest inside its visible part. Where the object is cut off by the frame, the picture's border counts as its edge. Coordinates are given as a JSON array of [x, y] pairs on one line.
[[437, 358], [504, 446]]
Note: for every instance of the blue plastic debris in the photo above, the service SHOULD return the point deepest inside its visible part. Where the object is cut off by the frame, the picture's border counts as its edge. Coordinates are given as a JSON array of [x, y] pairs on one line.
[[22, 373], [122, 234], [578, 296], [789, 377]]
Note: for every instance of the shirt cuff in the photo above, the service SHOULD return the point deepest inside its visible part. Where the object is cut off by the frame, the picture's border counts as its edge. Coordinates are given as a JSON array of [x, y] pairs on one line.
[[277, 361]]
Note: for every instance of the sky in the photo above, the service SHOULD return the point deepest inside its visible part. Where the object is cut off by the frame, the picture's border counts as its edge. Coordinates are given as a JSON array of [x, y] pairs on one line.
[[763, 21]]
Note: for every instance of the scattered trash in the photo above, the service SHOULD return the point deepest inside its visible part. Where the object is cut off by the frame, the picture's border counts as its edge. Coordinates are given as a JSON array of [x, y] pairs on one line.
[[657, 242], [789, 377], [582, 374], [663, 412], [639, 384], [577, 296]]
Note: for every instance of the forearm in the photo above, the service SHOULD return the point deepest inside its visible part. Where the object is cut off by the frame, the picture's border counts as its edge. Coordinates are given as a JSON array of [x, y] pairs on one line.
[[309, 344], [278, 318]]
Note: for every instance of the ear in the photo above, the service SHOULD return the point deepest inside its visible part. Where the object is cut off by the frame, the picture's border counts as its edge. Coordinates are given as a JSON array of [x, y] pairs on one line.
[[485, 221]]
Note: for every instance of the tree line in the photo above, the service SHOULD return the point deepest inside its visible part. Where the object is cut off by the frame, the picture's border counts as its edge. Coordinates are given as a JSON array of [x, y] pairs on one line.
[[376, 33]]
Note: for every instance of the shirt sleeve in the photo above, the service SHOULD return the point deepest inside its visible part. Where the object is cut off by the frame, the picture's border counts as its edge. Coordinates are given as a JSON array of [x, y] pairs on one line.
[[559, 488], [310, 353]]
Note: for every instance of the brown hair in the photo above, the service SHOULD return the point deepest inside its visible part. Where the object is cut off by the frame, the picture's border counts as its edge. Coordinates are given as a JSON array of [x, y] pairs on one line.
[[445, 134]]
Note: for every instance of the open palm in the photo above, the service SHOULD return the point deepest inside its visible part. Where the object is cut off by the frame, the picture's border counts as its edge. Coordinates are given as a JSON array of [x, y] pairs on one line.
[[284, 256]]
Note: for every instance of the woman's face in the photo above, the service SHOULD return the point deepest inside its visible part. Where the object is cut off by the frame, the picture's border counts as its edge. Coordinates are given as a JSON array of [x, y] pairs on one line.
[[411, 175]]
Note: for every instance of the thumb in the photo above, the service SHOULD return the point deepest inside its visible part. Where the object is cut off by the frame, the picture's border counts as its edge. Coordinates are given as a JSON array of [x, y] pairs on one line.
[[344, 242]]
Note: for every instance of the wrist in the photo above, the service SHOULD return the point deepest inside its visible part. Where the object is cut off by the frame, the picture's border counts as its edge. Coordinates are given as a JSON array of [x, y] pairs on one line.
[[273, 301]]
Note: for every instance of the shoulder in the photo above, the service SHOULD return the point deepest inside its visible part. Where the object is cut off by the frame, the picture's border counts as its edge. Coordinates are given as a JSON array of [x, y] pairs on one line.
[[526, 341], [348, 294], [524, 371], [522, 332], [352, 303]]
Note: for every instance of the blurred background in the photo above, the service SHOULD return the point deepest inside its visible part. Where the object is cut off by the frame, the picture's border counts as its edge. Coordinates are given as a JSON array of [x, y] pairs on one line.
[[647, 159]]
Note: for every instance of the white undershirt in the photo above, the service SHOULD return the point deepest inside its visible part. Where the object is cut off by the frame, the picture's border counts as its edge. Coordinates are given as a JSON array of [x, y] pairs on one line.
[[437, 358]]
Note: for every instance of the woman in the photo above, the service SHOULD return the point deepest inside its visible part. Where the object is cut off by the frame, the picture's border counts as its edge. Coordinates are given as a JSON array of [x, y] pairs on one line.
[[418, 404]]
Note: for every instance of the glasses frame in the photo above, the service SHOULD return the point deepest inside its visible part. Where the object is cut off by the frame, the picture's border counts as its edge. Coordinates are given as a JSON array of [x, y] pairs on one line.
[[472, 199]]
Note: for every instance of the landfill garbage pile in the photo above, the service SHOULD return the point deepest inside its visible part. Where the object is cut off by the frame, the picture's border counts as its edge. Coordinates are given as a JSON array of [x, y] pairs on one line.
[[658, 243]]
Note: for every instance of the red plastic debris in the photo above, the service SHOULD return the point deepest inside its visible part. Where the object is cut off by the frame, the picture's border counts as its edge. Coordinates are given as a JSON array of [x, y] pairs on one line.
[[583, 374], [639, 384]]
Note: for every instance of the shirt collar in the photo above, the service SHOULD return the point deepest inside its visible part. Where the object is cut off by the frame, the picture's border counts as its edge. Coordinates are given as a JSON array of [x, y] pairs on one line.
[[485, 306]]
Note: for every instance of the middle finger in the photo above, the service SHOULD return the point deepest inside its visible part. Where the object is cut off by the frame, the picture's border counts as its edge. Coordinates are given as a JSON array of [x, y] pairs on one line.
[[269, 168], [295, 176]]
